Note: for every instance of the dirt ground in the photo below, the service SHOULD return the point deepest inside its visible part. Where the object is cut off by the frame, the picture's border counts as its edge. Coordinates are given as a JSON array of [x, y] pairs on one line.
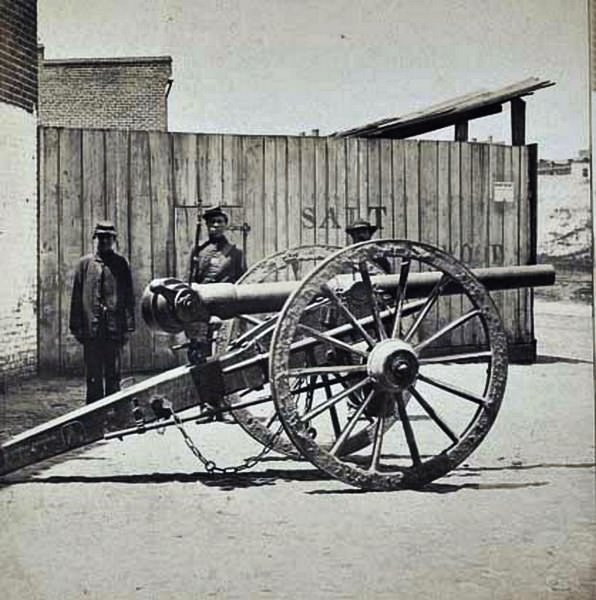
[[139, 518]]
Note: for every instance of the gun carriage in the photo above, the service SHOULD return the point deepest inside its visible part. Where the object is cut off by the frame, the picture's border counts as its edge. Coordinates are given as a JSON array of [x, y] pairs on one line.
[[344, 366]]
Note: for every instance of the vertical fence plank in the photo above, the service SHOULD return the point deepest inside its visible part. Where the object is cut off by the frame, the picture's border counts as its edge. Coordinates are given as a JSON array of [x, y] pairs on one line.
[[294, 216], [352, 182], [412, 190], [202, 164], [428, 217], [71, 247], [330, 220], [308, 214], [466, 228], [49, 246], [93, 186], [510, 240], [185, 185], [162, 229], [281, 193], [269, 197], [116, 197], [386, 202], [340, 191], [321, 190], [480, 182], [141, 251], [455, 235], [443, 226], [495, 217], [373, 202], [399, 189], [214, 178], [253, 197], [232, 187], [363, 178]]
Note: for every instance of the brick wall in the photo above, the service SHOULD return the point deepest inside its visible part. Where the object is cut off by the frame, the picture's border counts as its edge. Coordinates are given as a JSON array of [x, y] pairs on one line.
[[18, 53], [18, 241], [119, 93], [18, 187]]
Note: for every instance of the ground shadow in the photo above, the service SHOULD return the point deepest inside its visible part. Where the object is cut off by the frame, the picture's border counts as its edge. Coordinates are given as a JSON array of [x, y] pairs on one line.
[[249, 479], [548, 359]]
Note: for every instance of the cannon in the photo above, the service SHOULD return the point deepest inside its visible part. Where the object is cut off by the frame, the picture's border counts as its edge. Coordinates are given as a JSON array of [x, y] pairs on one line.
[[348, 366]]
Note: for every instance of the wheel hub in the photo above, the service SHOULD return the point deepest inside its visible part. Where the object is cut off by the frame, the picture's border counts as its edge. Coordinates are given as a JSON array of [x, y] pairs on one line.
[[393, 364]]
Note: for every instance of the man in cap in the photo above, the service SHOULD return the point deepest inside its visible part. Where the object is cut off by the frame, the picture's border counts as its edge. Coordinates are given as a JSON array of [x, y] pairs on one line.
[[102, 311], [362, 231], [217, 260]]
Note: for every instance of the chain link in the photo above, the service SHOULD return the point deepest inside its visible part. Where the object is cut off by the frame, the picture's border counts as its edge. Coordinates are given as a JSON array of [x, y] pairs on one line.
[[209, 465]]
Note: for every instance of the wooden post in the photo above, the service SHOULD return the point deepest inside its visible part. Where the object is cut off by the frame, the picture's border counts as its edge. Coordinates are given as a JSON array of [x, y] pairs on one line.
[[518, 122], [533, 202], [461, 131]]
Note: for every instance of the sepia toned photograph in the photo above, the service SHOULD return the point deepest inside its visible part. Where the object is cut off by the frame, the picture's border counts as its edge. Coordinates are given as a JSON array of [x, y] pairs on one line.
[[298, 300]]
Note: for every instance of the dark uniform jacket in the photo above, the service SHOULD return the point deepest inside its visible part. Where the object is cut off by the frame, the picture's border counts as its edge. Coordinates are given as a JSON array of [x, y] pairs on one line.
[[223, 264], [102, 302]]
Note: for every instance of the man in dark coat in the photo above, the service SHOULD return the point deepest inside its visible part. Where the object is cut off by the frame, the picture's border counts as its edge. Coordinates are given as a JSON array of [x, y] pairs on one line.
[[102, 312], [362, 231], [218, 261]]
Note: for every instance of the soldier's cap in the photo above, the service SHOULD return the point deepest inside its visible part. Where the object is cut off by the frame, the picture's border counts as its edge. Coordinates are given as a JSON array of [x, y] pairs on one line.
[[104, 228], [216, 211], [361, 225]]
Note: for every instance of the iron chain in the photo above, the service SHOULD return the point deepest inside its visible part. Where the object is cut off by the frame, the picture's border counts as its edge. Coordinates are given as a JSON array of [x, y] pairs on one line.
[[209, 465]]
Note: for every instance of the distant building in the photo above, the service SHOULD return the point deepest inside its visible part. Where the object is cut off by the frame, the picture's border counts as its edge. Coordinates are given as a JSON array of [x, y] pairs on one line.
[[105, 93], [579, 167]]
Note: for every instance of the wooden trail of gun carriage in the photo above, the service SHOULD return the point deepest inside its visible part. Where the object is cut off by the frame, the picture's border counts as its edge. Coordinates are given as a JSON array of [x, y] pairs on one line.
[[383, 381]]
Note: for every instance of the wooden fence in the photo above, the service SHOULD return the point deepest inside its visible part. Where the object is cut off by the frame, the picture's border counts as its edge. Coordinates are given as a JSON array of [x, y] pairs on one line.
[[474, 200]]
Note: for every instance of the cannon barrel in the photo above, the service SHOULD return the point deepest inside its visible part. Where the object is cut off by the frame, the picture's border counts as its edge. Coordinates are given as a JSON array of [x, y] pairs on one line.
[[169, 304]]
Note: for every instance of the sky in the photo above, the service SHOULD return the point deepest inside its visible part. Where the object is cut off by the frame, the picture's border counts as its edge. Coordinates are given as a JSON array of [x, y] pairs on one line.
[[286, 66]]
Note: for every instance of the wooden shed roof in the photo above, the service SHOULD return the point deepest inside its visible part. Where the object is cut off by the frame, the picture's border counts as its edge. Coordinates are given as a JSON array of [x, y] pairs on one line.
[[451, 112]]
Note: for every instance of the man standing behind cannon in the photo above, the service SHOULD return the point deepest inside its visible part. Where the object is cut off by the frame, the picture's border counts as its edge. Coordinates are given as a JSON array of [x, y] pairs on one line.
[[102, 311], [217, 260], [362, 231], [214, 261]]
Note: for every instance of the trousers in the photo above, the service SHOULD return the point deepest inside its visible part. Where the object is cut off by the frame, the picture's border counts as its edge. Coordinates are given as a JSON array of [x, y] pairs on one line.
[[102, 367]]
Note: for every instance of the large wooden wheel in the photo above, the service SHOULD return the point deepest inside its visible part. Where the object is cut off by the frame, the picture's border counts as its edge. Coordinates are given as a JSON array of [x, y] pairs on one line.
[[381, 360]]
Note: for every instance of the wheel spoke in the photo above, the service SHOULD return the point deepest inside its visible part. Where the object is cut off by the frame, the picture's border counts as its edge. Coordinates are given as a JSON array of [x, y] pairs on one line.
[[251, 319], [348, 314], [332, 409], [430, 301], [351, 424], [311, 414], [455, 358], [331, 340], [255, 332], [372, 299], [453, 389], [400, 295], [333, 369], [408, 431], [377, 443], [430, 411], [449, 327]]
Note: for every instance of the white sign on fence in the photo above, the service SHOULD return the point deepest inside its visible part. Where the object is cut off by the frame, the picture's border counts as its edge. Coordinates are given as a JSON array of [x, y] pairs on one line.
[[503, 191]]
